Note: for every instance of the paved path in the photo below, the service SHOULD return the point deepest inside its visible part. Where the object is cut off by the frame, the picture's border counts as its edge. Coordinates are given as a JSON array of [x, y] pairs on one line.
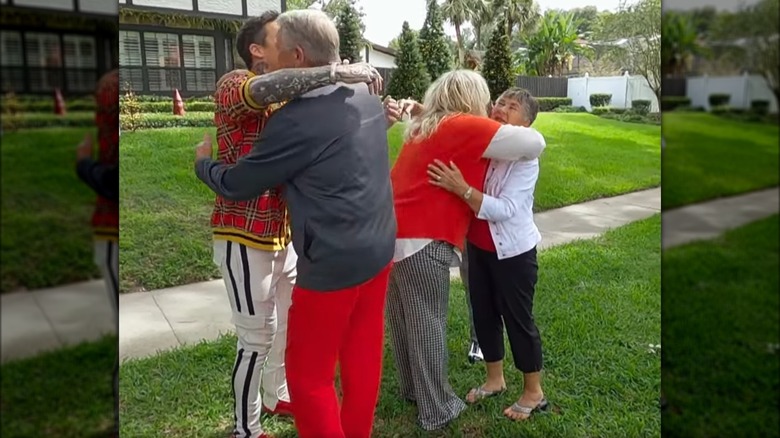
[[160, 320], [163, 319], [48, 319]]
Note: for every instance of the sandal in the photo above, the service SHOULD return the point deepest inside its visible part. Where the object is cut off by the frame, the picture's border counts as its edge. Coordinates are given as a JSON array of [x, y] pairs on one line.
[[480, 393], [525, 410]]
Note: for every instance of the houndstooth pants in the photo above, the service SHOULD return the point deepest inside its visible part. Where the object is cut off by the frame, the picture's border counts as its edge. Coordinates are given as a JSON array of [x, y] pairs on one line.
[[417, 301]]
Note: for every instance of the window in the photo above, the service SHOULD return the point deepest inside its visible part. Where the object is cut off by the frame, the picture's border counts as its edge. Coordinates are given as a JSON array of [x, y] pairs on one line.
[[43, 61], [160, 62]]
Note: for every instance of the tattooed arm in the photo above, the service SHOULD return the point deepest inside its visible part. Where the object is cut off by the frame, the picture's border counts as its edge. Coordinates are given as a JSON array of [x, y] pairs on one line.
[[286, 84]]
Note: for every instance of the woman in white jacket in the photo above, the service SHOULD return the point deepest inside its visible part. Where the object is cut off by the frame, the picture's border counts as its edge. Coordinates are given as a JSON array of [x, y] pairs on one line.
[[502, 242]]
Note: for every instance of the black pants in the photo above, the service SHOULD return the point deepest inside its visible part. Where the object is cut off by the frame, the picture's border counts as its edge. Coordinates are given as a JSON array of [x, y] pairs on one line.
[[502, 294]]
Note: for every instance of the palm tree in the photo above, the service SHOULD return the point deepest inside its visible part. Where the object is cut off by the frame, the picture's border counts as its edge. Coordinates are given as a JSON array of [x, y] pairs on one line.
[[517, 13], [483, 19], [554, 45], [680, 43], [458, 13]]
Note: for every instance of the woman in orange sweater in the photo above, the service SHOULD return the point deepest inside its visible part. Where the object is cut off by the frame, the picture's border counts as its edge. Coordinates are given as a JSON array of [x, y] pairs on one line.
[[452, 127]]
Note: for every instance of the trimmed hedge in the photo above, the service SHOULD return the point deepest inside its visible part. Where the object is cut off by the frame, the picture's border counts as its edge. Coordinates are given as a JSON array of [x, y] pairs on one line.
[[670, 103], [760, 107], [719, 99], [551, 103], [641, 106], [600, 99], [47, 105], [569, 109], [160, 120], [42, 120], [169, 98], [167, 106]]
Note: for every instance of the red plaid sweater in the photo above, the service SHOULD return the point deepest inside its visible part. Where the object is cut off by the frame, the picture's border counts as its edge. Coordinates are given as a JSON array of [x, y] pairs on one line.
[[105, 219], [261, 223]]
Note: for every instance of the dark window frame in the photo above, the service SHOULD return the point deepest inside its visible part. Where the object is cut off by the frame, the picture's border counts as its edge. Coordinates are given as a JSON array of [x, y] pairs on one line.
[[219, 57], [101, 39]]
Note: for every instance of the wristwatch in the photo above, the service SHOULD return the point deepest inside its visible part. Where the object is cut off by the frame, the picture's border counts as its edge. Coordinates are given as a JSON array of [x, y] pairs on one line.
[[467, 195]]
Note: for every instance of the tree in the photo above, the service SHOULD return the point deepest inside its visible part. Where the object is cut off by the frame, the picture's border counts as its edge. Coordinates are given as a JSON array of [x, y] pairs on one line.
[[638, 26], [410, 78], [482, 21], [458, 13], [586, 19], [299, 4], [679, 43], [497, 69], [516, 13], [553, 46], [433, 43], [351, 40]]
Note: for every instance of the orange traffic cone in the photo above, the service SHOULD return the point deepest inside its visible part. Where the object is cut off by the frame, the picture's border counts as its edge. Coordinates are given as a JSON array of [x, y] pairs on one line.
[[59, 103], [178, 104]]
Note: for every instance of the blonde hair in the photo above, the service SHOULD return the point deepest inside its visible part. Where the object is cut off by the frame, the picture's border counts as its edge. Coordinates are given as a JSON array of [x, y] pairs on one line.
[[454, 92]]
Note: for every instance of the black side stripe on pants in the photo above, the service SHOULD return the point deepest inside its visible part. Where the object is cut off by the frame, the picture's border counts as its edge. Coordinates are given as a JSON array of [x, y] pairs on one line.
[[232, 277], [239, 357], [250, 307], [245, 394]]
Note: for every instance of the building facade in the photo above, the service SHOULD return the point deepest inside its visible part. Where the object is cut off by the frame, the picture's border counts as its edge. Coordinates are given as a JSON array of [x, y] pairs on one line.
[[184, 45], [56, 44]]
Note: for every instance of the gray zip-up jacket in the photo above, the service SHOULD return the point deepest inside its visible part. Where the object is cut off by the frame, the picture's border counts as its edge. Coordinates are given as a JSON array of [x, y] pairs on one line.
[[329, 151]]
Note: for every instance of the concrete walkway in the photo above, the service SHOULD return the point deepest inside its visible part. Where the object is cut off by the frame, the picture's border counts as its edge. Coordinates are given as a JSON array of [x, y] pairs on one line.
[[163, 319], [160, 320]]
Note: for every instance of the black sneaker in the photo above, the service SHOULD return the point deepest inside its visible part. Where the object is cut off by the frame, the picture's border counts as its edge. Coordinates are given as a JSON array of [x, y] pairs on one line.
[[475, 354]]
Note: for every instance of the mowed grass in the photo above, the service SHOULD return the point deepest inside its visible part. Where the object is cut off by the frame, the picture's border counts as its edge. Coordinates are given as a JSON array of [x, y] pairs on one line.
[[165, 209], [46, 210], [66, 393], [720, 335], [597, 306], [708, 157]]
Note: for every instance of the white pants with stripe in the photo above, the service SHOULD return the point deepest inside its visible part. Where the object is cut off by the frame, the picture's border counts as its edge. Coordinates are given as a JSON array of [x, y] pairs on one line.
[[259, 287], [106, 256]]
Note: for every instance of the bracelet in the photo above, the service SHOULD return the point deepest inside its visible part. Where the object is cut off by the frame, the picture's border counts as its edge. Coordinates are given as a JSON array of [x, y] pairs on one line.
[[467, 195]]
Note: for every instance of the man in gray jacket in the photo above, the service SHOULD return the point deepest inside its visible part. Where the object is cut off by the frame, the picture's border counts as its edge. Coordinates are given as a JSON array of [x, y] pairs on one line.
[[329, 150]]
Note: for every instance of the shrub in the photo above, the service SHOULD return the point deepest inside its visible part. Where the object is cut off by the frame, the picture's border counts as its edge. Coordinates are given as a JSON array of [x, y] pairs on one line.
[[618, 110], [159, 120], [719, 99], [721, 109], [550, 103], [569, 109], [669, 103], [130, 113], [640, 106], [600, 99], [43, 120], [601, 110], [47, 106], [760, 107], [167, 106]]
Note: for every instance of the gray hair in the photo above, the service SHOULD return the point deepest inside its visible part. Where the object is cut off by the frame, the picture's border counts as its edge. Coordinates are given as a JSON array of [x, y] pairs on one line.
[[311, 30], [525, 99]]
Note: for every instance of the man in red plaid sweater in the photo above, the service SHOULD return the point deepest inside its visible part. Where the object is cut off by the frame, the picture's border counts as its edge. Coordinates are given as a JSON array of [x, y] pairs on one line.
[[252, 238]]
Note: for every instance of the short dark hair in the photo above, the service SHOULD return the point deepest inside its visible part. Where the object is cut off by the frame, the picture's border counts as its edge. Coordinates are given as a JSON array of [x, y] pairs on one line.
[[525, 99], [253, 32]]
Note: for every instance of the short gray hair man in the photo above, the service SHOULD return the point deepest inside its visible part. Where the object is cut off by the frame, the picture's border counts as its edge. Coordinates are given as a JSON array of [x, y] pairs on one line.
[[313, 32]]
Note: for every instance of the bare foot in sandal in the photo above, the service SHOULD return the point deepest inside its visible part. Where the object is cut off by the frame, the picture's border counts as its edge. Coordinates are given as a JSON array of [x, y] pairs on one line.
[[529, 404], [489, 389]]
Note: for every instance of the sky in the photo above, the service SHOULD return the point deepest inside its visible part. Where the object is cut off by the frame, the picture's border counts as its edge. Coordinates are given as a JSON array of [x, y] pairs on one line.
[[384, 18]]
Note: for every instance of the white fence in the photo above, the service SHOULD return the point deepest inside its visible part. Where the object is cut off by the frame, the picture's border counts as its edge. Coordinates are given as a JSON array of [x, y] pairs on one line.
[[623, 89], [742, 89]]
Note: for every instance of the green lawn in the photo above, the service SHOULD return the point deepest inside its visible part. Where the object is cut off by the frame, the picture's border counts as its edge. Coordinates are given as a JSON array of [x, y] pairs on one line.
[[64, 394], [720, 300], [46, 210], [165, 210], [708, 157], [598, 306]]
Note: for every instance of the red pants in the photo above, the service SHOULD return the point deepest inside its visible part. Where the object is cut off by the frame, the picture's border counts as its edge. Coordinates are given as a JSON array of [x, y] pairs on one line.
[[323, 328]]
